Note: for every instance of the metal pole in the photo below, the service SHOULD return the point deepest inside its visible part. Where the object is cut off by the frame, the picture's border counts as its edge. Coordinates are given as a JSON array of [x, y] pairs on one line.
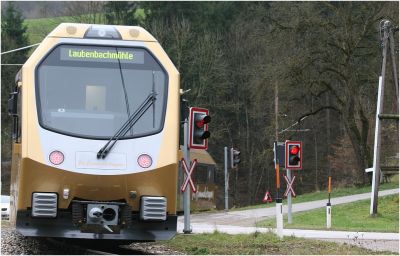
[[276, 112], [226, 178], [289, 198], [377, 139], [393, 56], [278, 205], [186, 196], [377, 146]]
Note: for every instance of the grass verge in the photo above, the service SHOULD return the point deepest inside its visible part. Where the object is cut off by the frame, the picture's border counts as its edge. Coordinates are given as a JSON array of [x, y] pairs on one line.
[[257, 243], [350, 217]]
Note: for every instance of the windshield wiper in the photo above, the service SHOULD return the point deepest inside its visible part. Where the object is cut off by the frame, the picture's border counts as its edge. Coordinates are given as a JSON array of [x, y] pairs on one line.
[[128, 124]]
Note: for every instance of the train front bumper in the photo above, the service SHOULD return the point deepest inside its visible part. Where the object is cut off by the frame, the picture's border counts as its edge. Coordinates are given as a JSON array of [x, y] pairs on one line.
[[62, 226]]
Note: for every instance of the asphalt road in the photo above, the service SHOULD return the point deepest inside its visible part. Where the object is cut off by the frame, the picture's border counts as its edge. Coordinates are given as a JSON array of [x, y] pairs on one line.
[[244, 222]]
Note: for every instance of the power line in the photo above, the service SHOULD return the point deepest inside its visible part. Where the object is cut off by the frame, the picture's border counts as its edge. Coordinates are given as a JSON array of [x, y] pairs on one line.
[[19, 49], [287, 129], [7, 64]]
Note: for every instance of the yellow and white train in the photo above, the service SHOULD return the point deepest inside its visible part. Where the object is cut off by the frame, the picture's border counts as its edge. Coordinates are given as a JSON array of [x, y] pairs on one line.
[[96, 136]]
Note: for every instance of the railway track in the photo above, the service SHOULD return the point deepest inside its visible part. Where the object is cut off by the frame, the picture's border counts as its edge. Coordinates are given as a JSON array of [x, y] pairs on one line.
[[13, 243], [95, 247]]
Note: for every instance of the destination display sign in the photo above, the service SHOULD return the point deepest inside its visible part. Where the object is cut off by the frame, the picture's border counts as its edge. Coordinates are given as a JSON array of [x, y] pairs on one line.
[[105, 54]]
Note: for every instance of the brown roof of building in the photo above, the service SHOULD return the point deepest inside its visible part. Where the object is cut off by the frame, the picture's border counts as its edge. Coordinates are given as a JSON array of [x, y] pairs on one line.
[[201, 155]]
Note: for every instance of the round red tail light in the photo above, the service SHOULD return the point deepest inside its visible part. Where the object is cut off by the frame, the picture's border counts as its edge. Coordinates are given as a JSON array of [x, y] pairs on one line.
[[144, 161], [56, 157]]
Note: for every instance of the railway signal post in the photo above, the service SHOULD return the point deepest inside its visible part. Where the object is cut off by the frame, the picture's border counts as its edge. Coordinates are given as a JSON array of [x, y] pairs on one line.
[[186, 198], [232, 159], [195, 136], [293, 161], [289, 195]]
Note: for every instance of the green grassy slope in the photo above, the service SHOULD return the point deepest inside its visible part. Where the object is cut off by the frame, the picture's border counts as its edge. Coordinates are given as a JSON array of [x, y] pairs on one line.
[[259, 244], [352, 217], [39, 28]]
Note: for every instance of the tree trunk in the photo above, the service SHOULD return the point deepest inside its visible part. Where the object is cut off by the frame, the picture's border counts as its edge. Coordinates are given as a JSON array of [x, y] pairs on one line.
[[355, 135], [250, 158]]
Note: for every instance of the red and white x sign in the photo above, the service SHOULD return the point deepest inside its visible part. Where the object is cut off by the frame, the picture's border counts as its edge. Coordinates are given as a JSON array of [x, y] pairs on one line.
[[289, 186], [188, 175]]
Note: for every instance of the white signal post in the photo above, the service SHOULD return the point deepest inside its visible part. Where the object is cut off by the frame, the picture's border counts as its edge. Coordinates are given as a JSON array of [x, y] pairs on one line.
[[289, 167], [195, 136], [226, 178], [186, 196]]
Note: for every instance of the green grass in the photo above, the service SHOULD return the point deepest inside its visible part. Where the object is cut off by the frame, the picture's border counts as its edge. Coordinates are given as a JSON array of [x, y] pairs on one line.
[[351, 217], [258, 243], [38, 29], [320, 195]]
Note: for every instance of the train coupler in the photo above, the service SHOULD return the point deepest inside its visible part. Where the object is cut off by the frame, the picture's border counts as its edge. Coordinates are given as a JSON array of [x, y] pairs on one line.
[[101, 217]]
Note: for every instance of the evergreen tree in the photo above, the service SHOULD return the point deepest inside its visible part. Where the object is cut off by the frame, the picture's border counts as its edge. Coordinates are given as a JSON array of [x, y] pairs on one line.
[[13, 35], [121, 13]]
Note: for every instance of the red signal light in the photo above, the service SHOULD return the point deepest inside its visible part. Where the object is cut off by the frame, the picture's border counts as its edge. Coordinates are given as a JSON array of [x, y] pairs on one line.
[[198, 128], [294, 150], [293, 155], [204, 120]]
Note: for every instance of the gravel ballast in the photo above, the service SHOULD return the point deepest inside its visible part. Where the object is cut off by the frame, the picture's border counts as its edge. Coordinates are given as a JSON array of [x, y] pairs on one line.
[[13, 243]]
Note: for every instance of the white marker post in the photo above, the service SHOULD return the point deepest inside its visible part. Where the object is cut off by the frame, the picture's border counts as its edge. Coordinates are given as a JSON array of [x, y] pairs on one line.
[[279, 218], [279, 210], [328, 205], [328, 215]]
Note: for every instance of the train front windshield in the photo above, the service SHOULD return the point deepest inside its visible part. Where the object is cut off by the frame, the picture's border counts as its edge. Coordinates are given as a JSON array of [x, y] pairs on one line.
[[90, 91]]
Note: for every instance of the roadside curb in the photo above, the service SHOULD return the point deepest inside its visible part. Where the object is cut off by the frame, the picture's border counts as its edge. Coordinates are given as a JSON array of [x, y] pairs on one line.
[[198, 228], [341, 234]]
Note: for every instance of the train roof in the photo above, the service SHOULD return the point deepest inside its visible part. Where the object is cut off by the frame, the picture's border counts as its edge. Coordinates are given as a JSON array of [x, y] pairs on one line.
[[79, 30]]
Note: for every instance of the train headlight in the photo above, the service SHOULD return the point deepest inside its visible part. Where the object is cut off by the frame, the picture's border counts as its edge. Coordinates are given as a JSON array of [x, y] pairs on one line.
[[102, 31], [56, 157], [144, 161]]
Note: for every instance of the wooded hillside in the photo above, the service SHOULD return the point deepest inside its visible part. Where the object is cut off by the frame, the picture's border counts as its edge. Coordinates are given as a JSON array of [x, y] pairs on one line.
[[322, 59]]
